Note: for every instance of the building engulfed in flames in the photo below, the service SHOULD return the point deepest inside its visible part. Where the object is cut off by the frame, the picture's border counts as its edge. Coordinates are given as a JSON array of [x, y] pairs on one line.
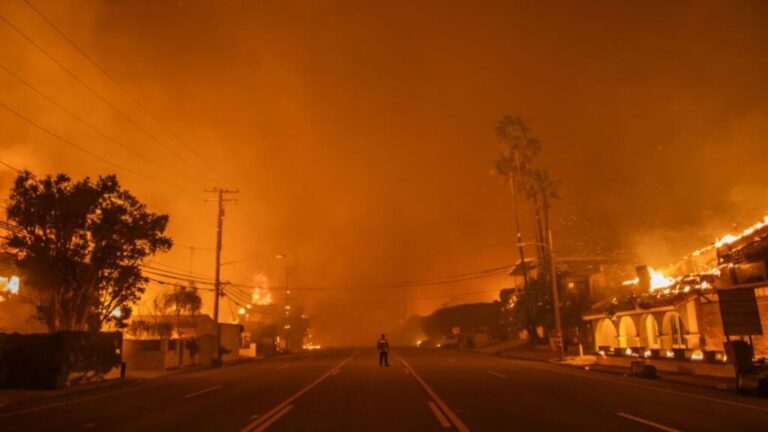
[[674, 311], [740, 256]]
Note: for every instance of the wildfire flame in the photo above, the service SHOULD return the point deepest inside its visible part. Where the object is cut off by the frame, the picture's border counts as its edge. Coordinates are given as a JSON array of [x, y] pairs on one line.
[[8, 286], [261, 295], [658, 280], [730, 238]]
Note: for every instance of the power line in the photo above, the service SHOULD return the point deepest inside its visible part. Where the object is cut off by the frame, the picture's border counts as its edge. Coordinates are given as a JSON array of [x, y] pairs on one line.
[[237, 295], [9, 166], [176, 285], [177, 277], [75, 116], [436, 297], [88, 152], [464, 277], [93, 91], [488, 271], [177, 269], [197, 248], [257, 311], [120, 87]]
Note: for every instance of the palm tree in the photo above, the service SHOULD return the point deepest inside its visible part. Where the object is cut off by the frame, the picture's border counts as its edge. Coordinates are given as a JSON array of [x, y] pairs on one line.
[[520, 148], [542, 190]]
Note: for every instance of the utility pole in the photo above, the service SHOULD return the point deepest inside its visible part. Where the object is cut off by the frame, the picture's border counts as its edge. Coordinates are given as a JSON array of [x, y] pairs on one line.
[[555, 296], [220, 193]]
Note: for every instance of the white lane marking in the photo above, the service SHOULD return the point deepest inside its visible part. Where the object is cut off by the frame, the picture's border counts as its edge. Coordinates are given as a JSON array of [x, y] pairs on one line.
[[406, 371], [454, 418], [252, 426], [626, 383], [497, 374], [254, 416], [198, 393], [647, 422], [335, 372], [439, 414], [274, 418]]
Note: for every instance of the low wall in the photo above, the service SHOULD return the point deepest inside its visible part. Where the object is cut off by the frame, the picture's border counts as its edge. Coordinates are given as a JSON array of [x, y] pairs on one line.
[[54, 360], [144, 354], [724, 370]]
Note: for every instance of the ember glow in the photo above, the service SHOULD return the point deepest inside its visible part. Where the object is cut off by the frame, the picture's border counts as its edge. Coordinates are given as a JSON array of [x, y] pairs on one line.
[[658, 280], [261, 295], [730, 238], [9, 286]]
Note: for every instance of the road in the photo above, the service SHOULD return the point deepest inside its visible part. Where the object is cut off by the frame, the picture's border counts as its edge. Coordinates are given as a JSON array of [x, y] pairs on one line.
[[423, 390]]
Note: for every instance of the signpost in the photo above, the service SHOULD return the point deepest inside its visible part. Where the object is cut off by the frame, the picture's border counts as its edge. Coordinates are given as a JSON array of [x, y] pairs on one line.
[[738, 309], [741, 317]]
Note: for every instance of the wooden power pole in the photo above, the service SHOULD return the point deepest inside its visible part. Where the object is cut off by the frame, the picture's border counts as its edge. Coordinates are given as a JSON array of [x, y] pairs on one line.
[[220, 194]]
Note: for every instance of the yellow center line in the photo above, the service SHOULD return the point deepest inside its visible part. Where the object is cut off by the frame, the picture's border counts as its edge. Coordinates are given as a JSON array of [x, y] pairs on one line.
[[647, 422], [274, 418], [453, 417], [280, 410], [439, 414]]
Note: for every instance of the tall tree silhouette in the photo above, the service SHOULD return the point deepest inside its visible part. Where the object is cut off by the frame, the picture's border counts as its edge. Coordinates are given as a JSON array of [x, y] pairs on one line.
[[79, 245]]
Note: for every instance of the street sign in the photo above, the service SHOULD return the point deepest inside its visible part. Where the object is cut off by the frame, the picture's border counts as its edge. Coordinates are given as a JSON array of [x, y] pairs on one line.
[[738, 309]]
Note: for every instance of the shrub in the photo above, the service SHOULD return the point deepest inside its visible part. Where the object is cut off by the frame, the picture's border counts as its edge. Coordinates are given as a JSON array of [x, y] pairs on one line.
[[47, 361]]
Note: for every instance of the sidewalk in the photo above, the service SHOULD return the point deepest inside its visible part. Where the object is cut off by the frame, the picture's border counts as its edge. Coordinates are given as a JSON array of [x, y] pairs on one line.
[[705, 381], [548, 356], [10, 397], [14, 396]]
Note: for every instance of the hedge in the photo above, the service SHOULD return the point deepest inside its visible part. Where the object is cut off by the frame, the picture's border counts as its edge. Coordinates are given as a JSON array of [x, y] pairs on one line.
[[53, 360]]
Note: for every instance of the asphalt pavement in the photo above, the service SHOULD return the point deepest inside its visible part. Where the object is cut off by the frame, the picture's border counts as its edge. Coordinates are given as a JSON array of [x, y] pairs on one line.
[[422, 390]]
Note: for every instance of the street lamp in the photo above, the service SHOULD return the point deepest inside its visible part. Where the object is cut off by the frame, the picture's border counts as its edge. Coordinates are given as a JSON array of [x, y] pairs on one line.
[[555, 296]]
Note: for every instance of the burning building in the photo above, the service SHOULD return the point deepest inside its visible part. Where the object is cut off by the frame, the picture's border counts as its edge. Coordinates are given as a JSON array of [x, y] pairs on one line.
[[682, 312], [17, 311]]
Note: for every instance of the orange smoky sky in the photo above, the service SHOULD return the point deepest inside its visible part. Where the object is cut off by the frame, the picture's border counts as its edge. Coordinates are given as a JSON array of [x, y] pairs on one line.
[[360, 133]]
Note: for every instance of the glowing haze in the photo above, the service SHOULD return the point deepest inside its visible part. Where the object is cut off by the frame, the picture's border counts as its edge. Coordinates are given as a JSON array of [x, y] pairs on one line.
[[360, 134]]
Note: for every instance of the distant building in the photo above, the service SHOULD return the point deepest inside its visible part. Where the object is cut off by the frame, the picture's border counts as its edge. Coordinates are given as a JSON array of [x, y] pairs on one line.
[[160, 342], [592, 274]]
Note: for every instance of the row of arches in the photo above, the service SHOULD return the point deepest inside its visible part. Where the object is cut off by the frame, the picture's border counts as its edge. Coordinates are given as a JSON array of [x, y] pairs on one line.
[[629, 332]]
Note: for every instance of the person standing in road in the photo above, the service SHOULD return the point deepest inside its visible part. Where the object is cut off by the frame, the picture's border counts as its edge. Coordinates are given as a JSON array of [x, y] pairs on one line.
[[383, 347]]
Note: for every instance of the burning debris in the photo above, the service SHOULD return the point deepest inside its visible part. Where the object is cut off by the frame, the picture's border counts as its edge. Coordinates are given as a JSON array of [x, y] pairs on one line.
[[261, 295], [703, 268]]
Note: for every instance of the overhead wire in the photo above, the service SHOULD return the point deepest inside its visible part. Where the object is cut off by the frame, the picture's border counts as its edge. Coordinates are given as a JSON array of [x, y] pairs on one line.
[[177, 285], [178, 277], [89, 152], [177, 269], [93, 91], [120, 87], [76, 117], [463, 277], [9, 166], [436, 297]]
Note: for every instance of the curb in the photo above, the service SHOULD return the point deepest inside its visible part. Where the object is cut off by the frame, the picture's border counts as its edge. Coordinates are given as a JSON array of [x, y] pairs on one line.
[[115, 382], [616, 371], [69, 391]]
